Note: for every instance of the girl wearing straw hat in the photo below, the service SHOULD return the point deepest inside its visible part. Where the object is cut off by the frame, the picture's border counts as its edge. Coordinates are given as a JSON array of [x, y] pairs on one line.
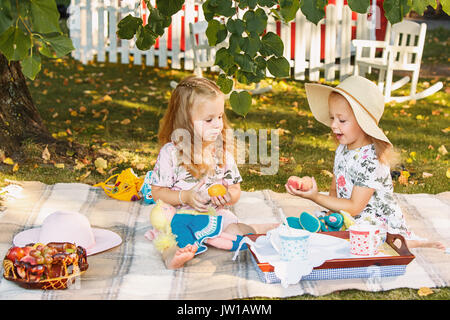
[[362, 183]]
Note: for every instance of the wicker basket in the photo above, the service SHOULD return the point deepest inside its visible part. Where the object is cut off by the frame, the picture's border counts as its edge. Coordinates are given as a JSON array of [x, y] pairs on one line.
[[58, 275]]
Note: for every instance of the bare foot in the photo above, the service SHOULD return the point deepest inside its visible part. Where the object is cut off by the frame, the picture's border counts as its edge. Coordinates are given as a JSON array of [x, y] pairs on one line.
[[425, 244], [181, 256]]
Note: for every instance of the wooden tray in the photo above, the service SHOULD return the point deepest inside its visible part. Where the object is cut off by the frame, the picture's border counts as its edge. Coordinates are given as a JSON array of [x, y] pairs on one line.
[[404, 255]]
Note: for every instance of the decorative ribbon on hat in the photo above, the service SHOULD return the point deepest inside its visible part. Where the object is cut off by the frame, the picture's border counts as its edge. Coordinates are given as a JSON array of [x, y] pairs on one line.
[[360, 104]]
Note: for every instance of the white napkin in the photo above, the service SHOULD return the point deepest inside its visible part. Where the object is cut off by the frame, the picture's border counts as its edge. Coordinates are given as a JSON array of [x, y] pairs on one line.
[[321, 248]]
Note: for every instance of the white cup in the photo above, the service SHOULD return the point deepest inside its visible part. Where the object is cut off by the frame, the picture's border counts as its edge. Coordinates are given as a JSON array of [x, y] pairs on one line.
[[292, 244], [365, 239]]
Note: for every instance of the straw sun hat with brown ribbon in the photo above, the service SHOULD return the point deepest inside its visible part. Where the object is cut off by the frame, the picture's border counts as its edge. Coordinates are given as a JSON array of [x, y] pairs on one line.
[[364, 97]]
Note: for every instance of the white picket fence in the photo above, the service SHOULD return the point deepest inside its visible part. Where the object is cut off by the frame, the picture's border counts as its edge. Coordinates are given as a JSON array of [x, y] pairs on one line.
[[93, 25]]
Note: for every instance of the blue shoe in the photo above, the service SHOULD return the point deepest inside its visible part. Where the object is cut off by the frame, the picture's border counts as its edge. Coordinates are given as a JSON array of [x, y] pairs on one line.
[[294, 222], [309, 222], [237, 242]]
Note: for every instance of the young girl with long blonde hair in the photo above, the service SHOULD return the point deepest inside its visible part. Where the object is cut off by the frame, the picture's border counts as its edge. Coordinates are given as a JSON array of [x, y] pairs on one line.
[[196, 153]]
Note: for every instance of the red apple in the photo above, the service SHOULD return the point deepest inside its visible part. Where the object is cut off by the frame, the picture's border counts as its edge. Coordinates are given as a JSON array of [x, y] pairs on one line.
[[27, 250], [31, 260], [15, 253], [302, 184], [306, 183], [294, 182]]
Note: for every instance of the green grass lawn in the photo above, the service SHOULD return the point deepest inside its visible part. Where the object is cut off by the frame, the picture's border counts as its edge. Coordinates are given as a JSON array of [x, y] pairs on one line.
[[116, 109]]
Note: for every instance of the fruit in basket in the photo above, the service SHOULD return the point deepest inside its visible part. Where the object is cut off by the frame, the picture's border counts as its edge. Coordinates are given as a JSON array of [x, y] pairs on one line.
[[27, 250], [15, 253], [302, 184], [29, 259], [49, 266], [217, 190]]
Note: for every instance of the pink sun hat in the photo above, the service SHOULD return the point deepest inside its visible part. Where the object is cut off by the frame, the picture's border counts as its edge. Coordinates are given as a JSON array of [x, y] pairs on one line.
[[70, 227]]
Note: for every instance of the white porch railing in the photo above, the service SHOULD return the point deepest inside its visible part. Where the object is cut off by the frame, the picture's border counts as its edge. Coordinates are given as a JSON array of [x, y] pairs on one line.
[[93, 25]]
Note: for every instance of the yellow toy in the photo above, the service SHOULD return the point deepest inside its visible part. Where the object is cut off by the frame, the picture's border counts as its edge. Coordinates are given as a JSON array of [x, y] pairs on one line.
[[348, 220], [125, 188]]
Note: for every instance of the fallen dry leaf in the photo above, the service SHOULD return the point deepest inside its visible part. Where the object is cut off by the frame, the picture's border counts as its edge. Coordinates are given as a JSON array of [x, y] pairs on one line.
[[427, 175], [100, 163], [79, 165], [84, 176], [424, 291], [140, 166], [125, 121], [8, 161], [442, 150], [255, 172], [326, 173], [46, 154]]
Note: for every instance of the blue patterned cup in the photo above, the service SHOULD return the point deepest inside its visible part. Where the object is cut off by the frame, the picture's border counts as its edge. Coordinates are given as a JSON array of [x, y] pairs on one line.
[[293, 244]]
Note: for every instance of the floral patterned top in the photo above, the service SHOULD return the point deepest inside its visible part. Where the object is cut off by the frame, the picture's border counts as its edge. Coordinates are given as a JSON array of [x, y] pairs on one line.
[[360, 167], [169, 173]]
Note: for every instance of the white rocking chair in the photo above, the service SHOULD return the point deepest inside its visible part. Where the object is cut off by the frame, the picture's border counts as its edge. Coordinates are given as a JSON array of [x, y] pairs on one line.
[[204, 54], [402, 51]]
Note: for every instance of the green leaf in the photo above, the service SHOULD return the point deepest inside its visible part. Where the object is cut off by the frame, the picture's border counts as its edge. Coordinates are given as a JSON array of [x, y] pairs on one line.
[[145, 38], [267, 3], [45, 16], [216, 32], [128, 26], [245, 62], [169, 7], [241, 102], [56, 46], [157, 22], [225, 8], [247, 3], [6, 18], [288, 9], [236, 26], [242, 76], [224, 59], [261, 63], [360, 6], [31, 66], [256, 21], [271, 44], [445, 6], [251, 45], [225, 84], [235, 42], [395, 10], [313, 10], [208, 10], [279, 67], [15, 44], [420, 6]]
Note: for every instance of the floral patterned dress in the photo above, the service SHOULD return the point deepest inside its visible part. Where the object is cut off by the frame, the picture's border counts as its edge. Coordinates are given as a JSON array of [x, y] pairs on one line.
[[360, 167], [169, 173]]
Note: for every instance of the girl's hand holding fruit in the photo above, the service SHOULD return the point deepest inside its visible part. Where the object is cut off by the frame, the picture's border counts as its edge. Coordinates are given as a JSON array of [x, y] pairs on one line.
[[219, 195], [305, 187]]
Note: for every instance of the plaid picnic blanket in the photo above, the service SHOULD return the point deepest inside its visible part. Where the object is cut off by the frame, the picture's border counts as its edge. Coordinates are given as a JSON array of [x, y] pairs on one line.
[[134, 270]]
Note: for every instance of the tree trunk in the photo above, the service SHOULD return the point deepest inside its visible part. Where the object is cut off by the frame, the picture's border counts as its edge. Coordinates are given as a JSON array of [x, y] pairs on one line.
[[19, 118]]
